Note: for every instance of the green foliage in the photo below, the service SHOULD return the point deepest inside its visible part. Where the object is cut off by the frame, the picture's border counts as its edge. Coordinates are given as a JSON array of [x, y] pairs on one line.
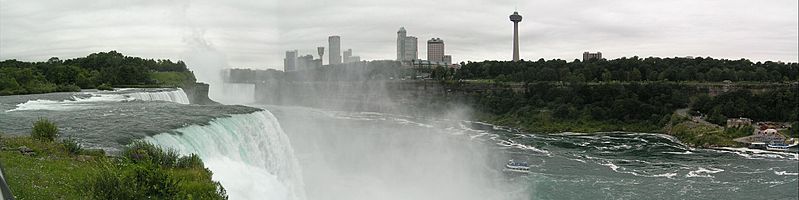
[[72, 146], [696, 134], [794, 131], [173, 79], [771, 105], [631, 69], [111, 68], [67, 88], [108, 184], [44, 130], [577, 103], [56, 173], [145, 152], [190, 161], [153, 182], [105, 86]]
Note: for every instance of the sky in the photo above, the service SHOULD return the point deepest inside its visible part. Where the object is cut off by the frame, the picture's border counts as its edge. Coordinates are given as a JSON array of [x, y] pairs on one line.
[[256, 34]]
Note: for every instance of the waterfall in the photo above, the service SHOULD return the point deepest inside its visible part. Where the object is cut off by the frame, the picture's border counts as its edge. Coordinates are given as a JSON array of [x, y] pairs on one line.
[[249, 154], [87, 100], [177, 96]]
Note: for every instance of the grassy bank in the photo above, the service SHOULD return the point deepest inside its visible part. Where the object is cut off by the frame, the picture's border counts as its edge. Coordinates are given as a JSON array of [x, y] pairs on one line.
[[41, 167], [56, 173]]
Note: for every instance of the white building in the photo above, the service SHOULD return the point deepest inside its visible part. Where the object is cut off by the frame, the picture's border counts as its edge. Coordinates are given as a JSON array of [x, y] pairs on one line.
[[406, 46]]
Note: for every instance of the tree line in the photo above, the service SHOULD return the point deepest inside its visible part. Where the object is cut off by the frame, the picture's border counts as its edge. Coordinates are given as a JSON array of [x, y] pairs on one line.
[[54, 75], [613, 103], [627, 69], [772, 105]]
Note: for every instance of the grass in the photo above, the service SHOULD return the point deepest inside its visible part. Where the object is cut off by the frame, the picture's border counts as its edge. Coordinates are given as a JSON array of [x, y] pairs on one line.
[[51, 174], [173, 79], [58, 172]]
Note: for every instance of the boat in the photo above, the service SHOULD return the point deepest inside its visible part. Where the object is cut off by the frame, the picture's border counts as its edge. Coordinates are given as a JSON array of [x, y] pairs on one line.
[[758, 145], [521, 167], [777, 147]]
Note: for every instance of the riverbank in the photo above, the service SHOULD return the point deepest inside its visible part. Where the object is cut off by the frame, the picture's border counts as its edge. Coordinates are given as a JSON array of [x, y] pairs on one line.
[[37, 169]]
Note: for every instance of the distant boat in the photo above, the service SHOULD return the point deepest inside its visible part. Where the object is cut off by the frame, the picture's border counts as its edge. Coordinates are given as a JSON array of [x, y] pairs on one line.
[[779, 147], [521, 167], [758, 145]]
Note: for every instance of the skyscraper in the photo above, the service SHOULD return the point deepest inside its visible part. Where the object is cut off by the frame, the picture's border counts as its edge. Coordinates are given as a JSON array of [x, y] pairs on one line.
[[406, 46], [335, 49], [290, 62], [347, 55], [435, 50], [515, 18], [401, 34]]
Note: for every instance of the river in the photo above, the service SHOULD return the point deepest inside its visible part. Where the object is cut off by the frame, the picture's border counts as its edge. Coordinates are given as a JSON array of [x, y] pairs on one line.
[[280, 152]]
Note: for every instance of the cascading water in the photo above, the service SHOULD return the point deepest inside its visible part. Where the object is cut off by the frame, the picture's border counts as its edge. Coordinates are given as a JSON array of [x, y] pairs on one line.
[[86, 100], [177, 96], [249, 154]]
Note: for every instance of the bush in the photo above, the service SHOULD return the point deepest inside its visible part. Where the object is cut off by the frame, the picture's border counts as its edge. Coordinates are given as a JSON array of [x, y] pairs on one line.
[[108, 185], [68, 88], [72, 146], [154, 183], [190, 161], [105, 86], [145, 152], [44, 130]]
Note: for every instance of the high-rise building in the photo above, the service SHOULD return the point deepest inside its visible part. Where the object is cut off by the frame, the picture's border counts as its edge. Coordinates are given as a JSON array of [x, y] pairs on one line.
[[447, 59], [406, 46], [290, 62], [347, 55], [335, 49], [515, 18], [435, 50], [587, 56], [305, 62]]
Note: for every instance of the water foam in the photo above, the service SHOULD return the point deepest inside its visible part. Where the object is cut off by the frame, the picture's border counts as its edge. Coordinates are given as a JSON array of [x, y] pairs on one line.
[[177, 96], [249, 154], [90, 99]]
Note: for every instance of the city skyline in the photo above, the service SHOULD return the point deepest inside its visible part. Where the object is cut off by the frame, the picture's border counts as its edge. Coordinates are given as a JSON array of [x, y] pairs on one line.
[[719, 29]]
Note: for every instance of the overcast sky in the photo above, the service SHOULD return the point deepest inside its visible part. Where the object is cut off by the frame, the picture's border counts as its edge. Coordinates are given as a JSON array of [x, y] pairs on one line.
[[257, 34]]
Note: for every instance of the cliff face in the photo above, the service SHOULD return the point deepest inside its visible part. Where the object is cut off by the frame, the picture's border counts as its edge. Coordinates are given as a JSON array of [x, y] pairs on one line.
[[374, 95], [198, 93]]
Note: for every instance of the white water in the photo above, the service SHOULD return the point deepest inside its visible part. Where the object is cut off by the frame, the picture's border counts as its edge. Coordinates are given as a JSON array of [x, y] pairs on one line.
[[177, 96], [249, 154], [82, 102]]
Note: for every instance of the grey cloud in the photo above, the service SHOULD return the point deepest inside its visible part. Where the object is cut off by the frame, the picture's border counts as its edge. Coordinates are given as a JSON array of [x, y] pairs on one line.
[[256, 33]]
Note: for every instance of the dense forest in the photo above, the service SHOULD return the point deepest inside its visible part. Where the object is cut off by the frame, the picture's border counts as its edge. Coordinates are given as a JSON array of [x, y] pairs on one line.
[[104, 68], [627, 69], [773, 105], [612, 103]]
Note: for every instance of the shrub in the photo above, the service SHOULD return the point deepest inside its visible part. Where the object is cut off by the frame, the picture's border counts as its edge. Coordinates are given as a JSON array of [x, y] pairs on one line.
[[44, 130], [154, 183], [109, 185], [143, 152], [105, 86], [72, 146], [68, 88], [190, 161]]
